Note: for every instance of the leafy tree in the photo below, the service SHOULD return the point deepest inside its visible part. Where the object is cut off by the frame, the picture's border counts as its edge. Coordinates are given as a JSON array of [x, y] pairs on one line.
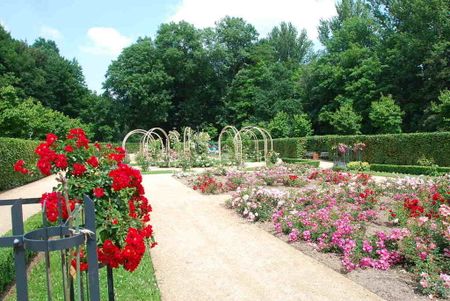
[[386, 116], [344, 121], [140, 86], [29, 119], [442, 111], [289, 45], [302, 125], [279, 126]]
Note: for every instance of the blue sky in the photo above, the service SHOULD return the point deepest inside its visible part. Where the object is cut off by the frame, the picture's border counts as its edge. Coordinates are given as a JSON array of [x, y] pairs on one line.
[[94, 32]]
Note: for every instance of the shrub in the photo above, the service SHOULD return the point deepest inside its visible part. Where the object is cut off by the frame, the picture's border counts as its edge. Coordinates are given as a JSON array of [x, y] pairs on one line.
[[12, 150], [358, 166], [386, 116], [410, 169], [400, 149], [314, 163]]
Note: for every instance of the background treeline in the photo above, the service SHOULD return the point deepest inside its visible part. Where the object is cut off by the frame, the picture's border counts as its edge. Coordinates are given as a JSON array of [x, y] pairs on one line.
[[382, 67]]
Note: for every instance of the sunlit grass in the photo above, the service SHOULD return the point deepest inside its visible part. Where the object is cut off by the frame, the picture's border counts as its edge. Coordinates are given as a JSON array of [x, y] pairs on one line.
[[139, 285]]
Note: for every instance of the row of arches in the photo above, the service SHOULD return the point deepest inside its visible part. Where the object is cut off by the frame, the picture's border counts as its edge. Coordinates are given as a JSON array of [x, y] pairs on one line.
[[255, 133]]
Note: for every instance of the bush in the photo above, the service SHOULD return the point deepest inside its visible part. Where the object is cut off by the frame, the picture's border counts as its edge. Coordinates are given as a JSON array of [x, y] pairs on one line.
[[399, 149], [410, 169], [358, 166], [7, 256], [314, 163], [12, 150]]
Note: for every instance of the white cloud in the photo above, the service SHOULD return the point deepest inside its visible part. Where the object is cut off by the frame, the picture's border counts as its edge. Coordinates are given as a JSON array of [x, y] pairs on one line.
[[263, 14], [105, 41], [50, 33]]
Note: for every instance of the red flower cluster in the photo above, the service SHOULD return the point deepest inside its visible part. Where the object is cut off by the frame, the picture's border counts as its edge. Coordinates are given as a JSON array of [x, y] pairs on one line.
[[78, 169], [109, 254], [412, 205], [19, 166], [93, 161], [131, 255], [134, 250], [293, 177], [207, 184], [83, 263], [126, 177], [118, 156], [52, 201], [98, 192], [126, 230], [80, 138]]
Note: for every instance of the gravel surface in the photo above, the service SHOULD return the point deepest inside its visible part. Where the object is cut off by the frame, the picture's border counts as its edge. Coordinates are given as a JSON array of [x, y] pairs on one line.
[[206, 252], [31, 190]]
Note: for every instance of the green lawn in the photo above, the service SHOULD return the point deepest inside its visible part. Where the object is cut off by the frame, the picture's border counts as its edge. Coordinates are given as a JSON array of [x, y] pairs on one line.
[[139, 285]]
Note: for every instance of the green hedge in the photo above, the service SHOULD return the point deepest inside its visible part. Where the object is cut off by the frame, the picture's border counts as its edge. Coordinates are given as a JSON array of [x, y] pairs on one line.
[[7, 257], [409, 169], [287, 147], [314, 163], [399, 149], [12, 150]]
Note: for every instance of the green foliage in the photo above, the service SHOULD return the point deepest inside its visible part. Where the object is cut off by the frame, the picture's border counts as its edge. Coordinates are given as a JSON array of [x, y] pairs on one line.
[[358, 166], [402, 149], [28, 118], [442, 110], [386, 116], [279, 125], [314, 163], [301, 126], [410, 169], [344, 120], [7, 255], [12, 150]]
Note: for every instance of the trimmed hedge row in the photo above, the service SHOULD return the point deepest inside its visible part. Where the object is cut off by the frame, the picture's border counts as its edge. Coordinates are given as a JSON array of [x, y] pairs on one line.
[[399, 149], [11, 150], [8, 273], [409, 169], [314, 163], [287, 147]]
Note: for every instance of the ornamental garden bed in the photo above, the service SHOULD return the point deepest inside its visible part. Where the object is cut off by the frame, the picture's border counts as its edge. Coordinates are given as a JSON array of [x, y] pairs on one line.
[[392, 236]]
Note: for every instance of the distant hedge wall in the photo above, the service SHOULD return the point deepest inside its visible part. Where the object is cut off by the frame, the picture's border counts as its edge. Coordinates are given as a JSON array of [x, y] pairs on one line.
[[12, 150], [400, 149], [409, 169]]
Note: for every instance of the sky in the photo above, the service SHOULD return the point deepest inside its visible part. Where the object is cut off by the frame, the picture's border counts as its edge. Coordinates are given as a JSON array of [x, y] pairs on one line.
[[94, 32]]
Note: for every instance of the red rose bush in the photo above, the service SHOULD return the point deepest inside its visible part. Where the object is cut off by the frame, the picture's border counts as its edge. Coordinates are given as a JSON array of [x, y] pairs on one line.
[[122, 210]]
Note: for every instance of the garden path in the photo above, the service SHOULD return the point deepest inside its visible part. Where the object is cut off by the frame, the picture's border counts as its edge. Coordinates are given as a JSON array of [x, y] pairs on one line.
[[207, 252], [31, 190]]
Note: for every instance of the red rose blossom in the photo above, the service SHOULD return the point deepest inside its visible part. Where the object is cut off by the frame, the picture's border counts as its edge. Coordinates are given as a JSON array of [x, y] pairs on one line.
[[92, 161], [19, 167], [98, 192], [78, 169]]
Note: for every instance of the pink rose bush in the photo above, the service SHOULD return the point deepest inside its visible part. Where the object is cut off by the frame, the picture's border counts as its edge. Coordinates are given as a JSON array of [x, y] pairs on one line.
[[369, 225]]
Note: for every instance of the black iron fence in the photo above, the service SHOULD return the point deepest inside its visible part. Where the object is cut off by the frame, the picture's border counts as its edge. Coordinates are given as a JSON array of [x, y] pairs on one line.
[[64, 237]]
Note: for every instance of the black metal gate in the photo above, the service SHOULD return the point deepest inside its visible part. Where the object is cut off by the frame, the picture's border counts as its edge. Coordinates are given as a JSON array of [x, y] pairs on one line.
[[50, 238]]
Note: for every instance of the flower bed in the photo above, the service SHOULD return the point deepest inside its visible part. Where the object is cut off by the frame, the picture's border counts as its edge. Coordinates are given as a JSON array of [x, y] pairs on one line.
[[401, 222]]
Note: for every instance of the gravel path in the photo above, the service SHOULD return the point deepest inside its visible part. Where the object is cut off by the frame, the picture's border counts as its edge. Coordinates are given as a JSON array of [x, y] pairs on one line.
[[31, 190], [207, 252]]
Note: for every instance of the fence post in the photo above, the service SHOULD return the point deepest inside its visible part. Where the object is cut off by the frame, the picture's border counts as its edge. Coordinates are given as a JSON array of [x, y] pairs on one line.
[[91, 246], [19, 252]]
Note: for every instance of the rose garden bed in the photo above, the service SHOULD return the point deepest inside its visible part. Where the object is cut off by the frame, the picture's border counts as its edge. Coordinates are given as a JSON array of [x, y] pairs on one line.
[[392, 236]]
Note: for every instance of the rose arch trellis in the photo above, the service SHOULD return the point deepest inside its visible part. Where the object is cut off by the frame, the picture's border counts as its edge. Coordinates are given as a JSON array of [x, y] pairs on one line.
[[152, 135], [254, 132]]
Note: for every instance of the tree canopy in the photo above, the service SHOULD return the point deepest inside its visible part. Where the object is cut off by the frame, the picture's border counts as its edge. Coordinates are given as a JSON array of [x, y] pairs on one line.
[[382, 66]]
